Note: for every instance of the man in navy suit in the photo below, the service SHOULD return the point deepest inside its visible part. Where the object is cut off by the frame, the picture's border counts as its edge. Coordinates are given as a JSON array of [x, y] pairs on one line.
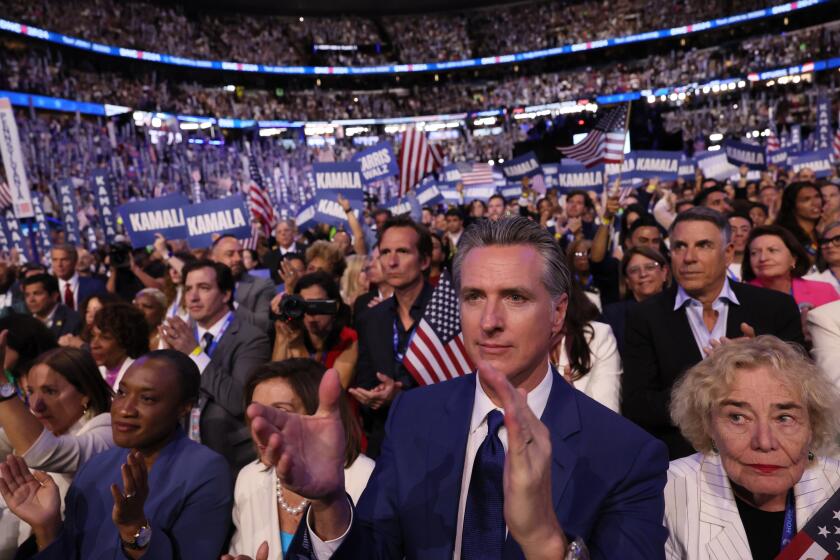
[[73, 289], [562, 473]]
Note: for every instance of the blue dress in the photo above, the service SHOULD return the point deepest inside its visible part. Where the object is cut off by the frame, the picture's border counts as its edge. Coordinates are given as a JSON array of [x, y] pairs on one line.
[[188, 508]]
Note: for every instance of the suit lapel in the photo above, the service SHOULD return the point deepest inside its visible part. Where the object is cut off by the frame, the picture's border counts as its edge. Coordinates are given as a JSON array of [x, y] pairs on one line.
[[243, 289], [679, 335], [719, 516], [810, 494], [445, 461]]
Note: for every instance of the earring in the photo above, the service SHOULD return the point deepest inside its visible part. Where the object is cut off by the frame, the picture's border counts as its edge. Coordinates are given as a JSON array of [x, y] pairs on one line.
[[810, 456]]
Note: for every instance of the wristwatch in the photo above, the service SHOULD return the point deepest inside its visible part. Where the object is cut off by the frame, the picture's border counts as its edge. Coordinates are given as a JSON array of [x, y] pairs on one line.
[[141, 538], [7, 391]]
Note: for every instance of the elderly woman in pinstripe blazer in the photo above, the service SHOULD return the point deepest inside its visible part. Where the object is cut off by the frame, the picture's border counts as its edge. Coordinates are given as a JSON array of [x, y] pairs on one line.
[[761, 415]]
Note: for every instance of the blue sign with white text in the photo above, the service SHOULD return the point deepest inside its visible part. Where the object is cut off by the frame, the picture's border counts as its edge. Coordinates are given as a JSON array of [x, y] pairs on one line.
[[144, 218], [339, 177], [377, 162], [223, 216], [525, 165], [741, 153]]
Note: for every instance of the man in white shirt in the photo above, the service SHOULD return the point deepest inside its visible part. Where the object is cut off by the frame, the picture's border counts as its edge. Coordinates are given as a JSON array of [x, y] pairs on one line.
[[575, 474], [226, 350]]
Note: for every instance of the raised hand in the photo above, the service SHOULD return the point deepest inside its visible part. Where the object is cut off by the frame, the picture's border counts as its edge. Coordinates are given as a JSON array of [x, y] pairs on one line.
[[31, 496], [529, 512], [178, 335], [262, 554], [128, 513], [307, 451]]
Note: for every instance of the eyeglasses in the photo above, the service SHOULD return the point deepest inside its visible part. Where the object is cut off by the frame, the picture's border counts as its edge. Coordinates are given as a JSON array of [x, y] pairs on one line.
[[647, 267], [833, 241]]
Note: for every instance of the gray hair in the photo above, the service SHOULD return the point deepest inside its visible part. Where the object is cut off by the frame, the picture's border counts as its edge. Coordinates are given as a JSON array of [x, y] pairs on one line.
[[516, 231], [288, 221], [703, 214], [708, 382], [68, 248], [830, 227]]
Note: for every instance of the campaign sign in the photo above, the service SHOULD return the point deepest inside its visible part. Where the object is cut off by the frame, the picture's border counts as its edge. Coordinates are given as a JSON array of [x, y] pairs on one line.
[[69, 210], [686, 168], [450, 195], [523, 166], [399, 206], [819, 161], [450, 174], [43, 234], [14, 237], [795, 142], [741, 153], [144, 218], [779, 158], [429, 194], [479, 192], [511, 191], [575, 176], [823, 132], [339, 177], [377, 162], [329, 211], [305, 219], [225, 216], [550, 171], [103, 195], [715, 165], [650, 164]]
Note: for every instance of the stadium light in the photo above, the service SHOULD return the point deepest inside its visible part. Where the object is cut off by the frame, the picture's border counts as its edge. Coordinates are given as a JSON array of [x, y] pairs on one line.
[[188, 126], [651, 99], [490, 162], [796, 79], [742, 84], [715, 137], [714, 148], [501, 160]]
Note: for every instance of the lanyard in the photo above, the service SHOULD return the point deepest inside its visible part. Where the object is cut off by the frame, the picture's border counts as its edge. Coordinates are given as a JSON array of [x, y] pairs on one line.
[[212, 348], [398, 356], [789, 527]]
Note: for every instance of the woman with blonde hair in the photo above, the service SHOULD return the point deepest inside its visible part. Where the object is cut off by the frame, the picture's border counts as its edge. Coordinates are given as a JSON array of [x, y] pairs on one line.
[[354, 281], [763, 419]]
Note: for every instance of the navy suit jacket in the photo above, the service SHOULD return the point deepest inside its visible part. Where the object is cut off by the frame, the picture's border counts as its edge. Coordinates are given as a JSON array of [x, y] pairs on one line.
[[88, 287], [607, 479]]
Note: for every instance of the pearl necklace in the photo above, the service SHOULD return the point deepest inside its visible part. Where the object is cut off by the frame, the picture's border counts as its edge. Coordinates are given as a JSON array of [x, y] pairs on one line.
[[296, 510]]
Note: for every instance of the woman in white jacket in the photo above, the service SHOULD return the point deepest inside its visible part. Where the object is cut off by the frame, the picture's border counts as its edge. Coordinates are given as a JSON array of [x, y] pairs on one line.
[[587, 354], [67, 421], [264, 511]]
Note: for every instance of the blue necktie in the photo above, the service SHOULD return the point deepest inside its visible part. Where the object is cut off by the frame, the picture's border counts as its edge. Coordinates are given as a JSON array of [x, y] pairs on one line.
[[483, 536]]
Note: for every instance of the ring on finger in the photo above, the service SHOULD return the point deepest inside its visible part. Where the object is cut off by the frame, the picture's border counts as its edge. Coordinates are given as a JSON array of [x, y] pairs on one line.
[[129, 496]]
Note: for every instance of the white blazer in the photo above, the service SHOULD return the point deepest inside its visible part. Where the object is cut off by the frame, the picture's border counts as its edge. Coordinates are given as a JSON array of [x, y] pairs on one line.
[[824, 328], [126, 364], [255, 505], [701, 514], [603, 382]]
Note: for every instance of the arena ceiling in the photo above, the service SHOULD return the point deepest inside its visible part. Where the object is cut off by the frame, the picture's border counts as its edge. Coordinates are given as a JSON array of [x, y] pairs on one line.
[[333, 7]]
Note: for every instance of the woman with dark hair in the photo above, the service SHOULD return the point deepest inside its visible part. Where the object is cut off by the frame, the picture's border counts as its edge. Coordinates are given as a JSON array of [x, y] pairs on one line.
[[250, 259], [173, 284], [644, 273], [586, 352], [87, 310], [776, 260], [28, 338], [322, 337], [800, 213], [264, 510], [440, 252], [120, 335], [66, 422]]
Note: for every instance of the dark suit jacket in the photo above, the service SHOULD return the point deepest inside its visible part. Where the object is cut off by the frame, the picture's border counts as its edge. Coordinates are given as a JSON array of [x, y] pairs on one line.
[[607, 479], [254, 294], [660, 347], [242, 348], [615, 315], [89, 287], [18, 303], [272, 260], [376, 354], [66, 321]]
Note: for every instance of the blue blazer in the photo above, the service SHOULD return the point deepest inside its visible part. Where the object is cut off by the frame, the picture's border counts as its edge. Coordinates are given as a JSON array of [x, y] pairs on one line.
[[188, 508], [88, 286], [607, 479]]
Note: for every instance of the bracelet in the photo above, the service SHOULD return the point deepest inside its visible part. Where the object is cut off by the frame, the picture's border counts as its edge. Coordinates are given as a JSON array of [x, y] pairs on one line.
[[196, 351], [606, 221], [577, 550], [9, 376]]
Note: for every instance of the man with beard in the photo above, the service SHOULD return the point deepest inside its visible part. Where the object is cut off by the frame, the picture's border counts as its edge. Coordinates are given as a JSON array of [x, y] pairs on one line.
[[251, 293]]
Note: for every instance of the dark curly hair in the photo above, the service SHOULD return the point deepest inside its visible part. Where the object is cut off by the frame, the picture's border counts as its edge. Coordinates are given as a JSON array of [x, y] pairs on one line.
[[127, 325]]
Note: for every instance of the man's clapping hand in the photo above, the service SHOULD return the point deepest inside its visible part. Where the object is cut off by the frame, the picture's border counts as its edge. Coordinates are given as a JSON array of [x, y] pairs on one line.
[[381, 395]]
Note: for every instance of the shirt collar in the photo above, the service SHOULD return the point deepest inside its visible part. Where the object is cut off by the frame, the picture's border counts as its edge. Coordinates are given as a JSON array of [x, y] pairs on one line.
[[73, 281], [214, 328], [726, 294], [537, 400]]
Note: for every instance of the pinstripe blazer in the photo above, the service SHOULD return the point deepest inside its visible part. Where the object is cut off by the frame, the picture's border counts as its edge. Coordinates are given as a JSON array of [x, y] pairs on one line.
[[701, 514]]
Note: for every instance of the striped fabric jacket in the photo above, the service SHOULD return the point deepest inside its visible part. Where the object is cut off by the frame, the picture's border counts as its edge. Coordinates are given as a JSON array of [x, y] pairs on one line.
[[702, 516]]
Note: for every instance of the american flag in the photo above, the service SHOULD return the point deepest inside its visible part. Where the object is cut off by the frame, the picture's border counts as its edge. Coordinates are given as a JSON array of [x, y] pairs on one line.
[[259, 200], [417, 159], [605, 143], [820, 538], [476, 174], [835, 146], [253, 241], [436, 351], [5, 195], [773, 142]]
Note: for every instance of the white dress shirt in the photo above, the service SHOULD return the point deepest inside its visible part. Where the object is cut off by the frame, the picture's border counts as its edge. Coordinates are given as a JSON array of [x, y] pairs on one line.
[[537, 401], [694, 311], [74, 286], [203, 359], [6, 299]]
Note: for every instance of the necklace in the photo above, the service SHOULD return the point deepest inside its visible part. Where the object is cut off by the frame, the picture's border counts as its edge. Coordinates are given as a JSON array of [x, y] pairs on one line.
[[281, 501]]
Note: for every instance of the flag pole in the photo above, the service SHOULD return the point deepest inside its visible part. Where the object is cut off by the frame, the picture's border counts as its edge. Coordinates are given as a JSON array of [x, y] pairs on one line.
[[626, 127]]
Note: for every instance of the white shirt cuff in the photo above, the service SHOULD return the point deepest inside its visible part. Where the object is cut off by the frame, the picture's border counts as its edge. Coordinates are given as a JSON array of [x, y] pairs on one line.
[[323, 550], [202, 361]]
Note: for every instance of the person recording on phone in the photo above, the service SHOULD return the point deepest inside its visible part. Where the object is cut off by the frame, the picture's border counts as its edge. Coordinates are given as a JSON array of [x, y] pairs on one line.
[[311, 322]]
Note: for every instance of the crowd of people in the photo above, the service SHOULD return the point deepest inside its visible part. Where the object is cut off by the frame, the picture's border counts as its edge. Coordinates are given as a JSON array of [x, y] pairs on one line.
[[201, 401], [40, 69], [273, 40]]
